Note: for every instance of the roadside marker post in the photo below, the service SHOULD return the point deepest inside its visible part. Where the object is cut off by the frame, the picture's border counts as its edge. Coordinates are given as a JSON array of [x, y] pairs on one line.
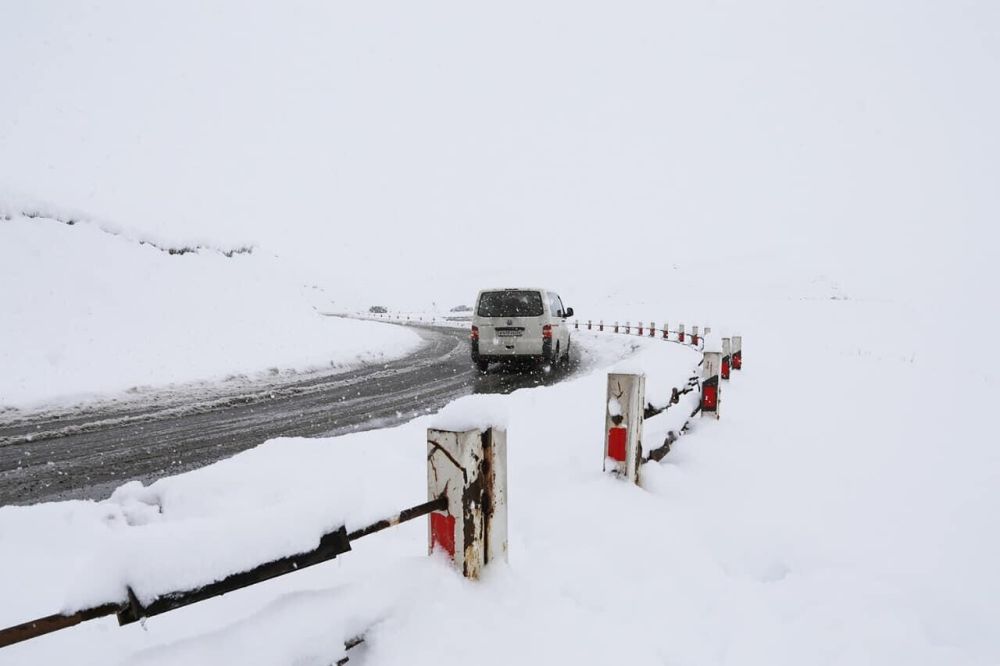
[[623, 417], [710, 383], [640, 328], [469, 469], [600, 326], [726, 358], [616, 327], [628, 328], [680, 333], [737, 352], [666, 331], [694, 335], [652, 329]]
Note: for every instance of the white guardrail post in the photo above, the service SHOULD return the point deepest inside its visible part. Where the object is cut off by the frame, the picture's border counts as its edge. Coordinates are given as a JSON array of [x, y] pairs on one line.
[[623, 424], [710, 383], [726, 358], [694, 335], [680, 333], [666, 330], [470, 469], [737, 352]]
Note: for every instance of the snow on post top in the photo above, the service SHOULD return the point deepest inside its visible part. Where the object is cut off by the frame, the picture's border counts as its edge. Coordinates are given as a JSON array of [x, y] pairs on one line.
[[473, 412], [713, 343]]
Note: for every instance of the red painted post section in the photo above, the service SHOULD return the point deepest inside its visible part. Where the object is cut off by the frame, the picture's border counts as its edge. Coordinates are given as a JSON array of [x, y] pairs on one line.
[[640, 328], [666, 331], [443, 533], [726, 358], [652, 329], [680, 333], [737, 352], [617, 439]]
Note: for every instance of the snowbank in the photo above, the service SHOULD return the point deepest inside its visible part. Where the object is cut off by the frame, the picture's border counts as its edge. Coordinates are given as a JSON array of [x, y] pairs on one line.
[[87, 313]]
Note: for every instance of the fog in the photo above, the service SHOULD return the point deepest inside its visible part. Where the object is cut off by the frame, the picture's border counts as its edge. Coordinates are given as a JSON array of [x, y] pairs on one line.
[[408, 153]]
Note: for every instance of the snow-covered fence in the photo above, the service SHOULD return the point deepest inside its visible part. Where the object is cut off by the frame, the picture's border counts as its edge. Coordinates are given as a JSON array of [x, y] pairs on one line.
[[467, 505], [468, 469]]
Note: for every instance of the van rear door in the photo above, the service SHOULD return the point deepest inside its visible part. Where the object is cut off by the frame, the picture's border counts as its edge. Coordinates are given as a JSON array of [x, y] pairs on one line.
[[512, 321]]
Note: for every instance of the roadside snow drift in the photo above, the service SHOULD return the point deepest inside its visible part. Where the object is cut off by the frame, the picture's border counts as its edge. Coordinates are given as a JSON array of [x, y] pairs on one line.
[[86, 312]]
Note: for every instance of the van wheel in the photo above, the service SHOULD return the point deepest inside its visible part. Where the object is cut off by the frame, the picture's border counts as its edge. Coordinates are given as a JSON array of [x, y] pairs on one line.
[[483, 365]]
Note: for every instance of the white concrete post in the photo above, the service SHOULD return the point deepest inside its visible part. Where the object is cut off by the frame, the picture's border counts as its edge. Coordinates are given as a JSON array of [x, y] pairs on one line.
[[652, 329], [640, 328], [710, 383], [727, 355], [737, 352], [680, 332], [616, 327], [666, 331], [708, 329], [470, 469], [628, 328], [623, 425], [600, 326], [694, 334]]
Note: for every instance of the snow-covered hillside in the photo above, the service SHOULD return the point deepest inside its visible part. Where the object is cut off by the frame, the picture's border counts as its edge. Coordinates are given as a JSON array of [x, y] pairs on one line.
[[89, 313]]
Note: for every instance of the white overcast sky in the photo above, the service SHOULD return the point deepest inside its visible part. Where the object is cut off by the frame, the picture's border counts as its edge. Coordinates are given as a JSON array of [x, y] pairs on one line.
[[405, 149]]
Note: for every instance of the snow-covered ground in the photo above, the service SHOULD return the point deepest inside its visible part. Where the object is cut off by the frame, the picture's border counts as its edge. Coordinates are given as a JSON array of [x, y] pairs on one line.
[[838, 513], [88, 313]]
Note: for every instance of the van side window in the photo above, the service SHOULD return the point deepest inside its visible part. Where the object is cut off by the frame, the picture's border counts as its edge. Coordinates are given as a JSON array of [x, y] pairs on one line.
[[555, 305]]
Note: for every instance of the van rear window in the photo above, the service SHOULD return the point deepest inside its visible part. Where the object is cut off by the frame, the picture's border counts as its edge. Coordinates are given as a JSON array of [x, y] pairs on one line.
[[510, 304]]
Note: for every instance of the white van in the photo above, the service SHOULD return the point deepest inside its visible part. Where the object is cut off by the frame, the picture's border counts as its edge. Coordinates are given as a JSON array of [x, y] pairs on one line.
[[519, 323]]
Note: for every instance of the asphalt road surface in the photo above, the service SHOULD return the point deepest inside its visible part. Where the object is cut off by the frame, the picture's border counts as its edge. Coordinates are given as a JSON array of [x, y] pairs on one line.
[[86, 453]]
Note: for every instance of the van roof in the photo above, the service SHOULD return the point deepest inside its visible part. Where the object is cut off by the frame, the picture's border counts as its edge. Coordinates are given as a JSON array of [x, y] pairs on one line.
[[515, 289]]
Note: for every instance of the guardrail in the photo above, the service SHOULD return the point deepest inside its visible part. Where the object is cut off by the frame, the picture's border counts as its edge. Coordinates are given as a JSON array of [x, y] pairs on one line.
[[467, 490]]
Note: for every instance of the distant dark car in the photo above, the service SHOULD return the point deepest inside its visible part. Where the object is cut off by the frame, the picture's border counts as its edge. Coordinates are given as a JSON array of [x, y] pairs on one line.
[[461, 308], [378, 309]]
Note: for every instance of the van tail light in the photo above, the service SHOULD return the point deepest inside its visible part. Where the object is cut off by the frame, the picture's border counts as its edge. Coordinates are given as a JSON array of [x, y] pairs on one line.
[[547, 332], [474, 335]]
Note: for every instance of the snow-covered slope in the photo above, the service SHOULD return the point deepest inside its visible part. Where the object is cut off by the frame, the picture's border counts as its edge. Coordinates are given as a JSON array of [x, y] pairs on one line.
[[88, 312]]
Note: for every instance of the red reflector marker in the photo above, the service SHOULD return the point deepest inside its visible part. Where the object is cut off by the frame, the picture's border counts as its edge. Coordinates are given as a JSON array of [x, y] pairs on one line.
[[443, 532], [709, 398], [616, 443]]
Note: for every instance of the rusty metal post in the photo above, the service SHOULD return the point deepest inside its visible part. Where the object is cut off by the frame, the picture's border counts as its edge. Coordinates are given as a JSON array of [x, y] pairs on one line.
[[737, 352], [623, 416], [470, 469], [680, 333], [710, 383]]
